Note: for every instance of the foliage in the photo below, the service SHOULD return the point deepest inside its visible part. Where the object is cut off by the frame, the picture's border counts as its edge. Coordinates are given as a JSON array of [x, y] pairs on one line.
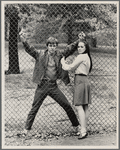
[[61, 20], [76, 11], [83, 11]]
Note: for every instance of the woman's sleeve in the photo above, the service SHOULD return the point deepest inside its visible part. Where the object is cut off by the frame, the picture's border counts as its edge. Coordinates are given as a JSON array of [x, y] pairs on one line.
[[74, 65], [70, 49]]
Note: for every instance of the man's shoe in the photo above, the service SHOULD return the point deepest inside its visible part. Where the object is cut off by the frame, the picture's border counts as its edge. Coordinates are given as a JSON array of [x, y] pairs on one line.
[[25, 133], [78, 130]]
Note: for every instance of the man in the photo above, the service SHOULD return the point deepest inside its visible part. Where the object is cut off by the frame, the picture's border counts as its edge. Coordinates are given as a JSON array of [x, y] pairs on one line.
[[47, 70]]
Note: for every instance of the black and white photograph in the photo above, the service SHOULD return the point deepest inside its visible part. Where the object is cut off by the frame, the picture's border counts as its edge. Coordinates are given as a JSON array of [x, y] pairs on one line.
[[60, 74]]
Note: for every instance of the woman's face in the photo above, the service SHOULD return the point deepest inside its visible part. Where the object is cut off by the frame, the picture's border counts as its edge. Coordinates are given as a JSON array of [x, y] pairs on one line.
[[81, 47]]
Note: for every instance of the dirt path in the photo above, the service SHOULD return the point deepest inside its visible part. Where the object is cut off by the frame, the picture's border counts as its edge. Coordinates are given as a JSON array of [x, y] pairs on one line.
[[92, 141]]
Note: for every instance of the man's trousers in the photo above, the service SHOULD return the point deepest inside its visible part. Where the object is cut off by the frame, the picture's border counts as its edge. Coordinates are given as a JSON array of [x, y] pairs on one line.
[[51, 89]]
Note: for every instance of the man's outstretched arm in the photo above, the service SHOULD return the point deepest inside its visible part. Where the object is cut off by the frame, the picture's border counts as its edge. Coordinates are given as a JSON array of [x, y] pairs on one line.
[[29, 49]]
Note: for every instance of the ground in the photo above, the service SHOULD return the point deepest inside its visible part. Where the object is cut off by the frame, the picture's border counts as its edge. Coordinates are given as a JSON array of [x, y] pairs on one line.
[[97, 140]]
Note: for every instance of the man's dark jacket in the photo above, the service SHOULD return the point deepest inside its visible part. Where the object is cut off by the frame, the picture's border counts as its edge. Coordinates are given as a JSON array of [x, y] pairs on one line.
[[41, 57]]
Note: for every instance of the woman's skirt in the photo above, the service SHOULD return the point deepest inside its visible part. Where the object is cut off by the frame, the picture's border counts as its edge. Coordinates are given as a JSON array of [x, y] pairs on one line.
[[82, 94]]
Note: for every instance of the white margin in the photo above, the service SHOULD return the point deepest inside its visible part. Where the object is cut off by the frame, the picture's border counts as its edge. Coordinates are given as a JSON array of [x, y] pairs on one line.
[[3, 75]]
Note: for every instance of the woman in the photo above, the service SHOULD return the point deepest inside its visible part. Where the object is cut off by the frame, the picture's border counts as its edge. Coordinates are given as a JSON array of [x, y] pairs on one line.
[[82, 65]]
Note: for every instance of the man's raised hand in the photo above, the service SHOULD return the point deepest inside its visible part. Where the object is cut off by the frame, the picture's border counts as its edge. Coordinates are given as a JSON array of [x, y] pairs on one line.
[[23, 35]]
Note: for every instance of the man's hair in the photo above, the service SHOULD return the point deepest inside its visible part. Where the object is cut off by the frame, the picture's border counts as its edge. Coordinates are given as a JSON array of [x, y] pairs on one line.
[[52, 40]]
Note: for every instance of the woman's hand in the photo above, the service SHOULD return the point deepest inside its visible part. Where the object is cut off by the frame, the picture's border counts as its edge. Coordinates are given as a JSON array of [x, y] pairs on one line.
[[64, 65], [63, 60]]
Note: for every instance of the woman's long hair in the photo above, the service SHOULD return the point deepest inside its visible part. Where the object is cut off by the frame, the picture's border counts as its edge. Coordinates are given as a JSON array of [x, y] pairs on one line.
[[88, 52]]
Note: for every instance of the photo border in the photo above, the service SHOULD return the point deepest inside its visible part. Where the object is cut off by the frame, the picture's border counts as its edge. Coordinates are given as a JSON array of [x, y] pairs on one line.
[[2, 73]]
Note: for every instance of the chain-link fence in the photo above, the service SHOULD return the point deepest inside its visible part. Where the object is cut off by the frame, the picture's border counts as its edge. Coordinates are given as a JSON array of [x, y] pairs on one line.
[[64, 22]]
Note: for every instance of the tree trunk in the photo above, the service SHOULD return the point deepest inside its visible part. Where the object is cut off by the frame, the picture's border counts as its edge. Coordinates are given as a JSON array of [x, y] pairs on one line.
[[13, 45], [6, 30]]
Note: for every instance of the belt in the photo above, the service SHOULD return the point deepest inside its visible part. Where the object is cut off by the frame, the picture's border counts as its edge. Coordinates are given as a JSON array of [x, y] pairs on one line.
[[81, 74], [48, 80]]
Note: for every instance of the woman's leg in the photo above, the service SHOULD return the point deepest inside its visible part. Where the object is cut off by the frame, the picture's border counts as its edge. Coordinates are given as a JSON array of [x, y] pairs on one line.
[[85, 107], [82, 118]]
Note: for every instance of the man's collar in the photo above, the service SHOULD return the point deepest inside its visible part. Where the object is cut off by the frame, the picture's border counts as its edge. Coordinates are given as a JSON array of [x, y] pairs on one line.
[[52, 54]]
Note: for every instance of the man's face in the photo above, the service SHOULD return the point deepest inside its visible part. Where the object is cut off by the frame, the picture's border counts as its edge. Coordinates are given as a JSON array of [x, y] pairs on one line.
[[52, 48]]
